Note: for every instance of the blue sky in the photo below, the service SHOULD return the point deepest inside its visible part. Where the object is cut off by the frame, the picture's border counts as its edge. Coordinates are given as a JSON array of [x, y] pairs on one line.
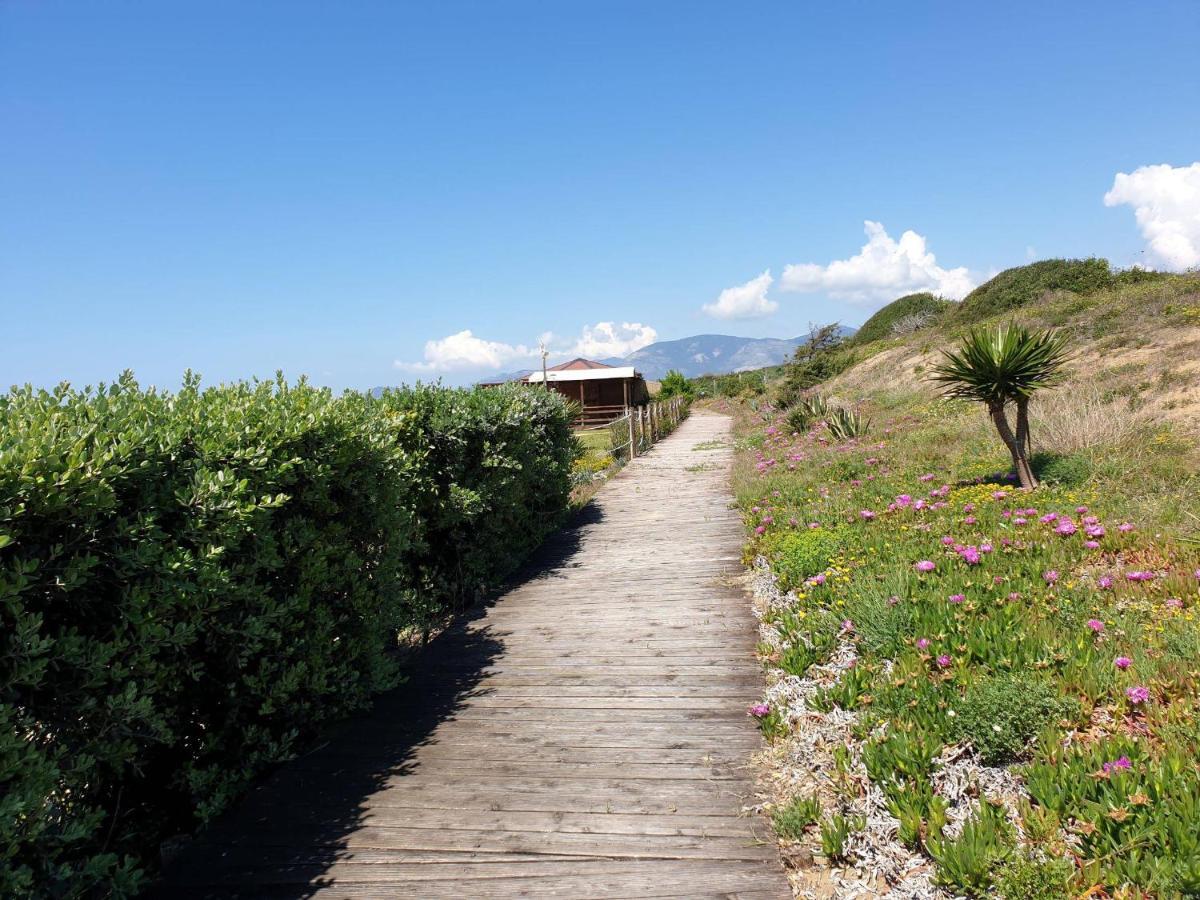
[[326, 187]]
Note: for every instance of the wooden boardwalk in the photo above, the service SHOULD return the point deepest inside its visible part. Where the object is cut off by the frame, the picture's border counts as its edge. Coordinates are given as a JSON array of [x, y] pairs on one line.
[[584, 736]]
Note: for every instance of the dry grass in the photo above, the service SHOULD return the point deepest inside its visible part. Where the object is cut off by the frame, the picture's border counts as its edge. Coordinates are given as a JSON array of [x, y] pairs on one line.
[[1081, 417]]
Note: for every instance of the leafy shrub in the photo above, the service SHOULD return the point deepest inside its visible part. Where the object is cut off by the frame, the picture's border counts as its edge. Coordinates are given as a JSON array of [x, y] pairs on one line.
[[807, 412], [1001, 715], [1021, 285], [1025, 878], [883, 323], [797, 555], [1070, 470], [192, 583], [791, 820], [675, 384]]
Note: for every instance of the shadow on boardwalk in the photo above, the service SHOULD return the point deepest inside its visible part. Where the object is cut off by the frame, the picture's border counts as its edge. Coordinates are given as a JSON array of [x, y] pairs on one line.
[[582, 735], [326, 787]]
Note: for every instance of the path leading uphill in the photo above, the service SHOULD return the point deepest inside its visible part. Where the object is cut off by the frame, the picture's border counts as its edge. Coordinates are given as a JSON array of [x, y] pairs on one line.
[[584, 736]]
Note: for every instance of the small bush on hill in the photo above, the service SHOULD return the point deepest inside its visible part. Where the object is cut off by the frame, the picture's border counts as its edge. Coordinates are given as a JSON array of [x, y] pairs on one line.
[[674, 384], [883, 323], [797, 555], [1023, 284], [191, 584]]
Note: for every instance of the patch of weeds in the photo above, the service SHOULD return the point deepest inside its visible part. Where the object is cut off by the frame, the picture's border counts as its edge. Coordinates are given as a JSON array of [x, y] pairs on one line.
[[835, 831], [1001, 715], [790, 821], [1025, 878], [968, 863], [709, 445]]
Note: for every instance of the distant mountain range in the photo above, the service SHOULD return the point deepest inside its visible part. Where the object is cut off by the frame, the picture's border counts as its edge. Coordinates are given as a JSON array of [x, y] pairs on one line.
[[701, 354]]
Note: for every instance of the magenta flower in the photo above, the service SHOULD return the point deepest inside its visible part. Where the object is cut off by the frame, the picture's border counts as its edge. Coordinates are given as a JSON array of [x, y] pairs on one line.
[[986, 548], [760, 710], [999, 495], [1096, 625], [1125, 527], [1020, 520], [1117, 765], [1092, 545], [944, 660], [817, 579], [1048, 518], [1105, 581], [957, 598], [1066, 528], [969, 508], [1137, 694], [923, 644], [903, 500], [970, 555], [1015, 595], [1050, 576], [927, 477], [970, 520], [1139, 576], [1122, 662], [925, 565], [867, 514], [1081, 510], [947, 540], [761, 529]]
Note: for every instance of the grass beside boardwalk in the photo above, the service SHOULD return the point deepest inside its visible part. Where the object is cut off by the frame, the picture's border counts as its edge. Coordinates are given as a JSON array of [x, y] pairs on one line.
[[999, 684]]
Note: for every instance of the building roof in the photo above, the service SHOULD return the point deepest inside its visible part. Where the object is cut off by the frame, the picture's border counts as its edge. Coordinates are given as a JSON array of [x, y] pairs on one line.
[[600, 373], [579, 363]]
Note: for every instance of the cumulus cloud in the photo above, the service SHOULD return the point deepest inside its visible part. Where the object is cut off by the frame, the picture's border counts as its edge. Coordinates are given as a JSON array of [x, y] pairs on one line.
[[883, 270], [744, 301], [1166, 202], [465, 352], [606, 339]]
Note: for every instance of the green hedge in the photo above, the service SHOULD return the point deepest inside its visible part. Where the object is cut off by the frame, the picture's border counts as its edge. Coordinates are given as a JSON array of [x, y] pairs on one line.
[[880, 325], [192, 583]]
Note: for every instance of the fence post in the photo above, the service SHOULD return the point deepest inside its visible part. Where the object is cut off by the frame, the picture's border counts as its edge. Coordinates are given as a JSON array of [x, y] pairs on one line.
[[632, 441]]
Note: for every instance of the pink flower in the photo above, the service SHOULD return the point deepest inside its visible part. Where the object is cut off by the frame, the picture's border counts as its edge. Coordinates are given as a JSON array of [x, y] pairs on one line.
[[1014, 596], [761, 529], [1020, 520], [970, 520], [847, 625], [1117, 765], [957, 598], [1066, 528], [1137, 694], [925, 565], [817, 579], [1122, 662], [814, 524], [944, 660], [1125, 527], [970, 555], [1096, 625], [986, 548], [760, 710], [999, 495], [1048, 518], [867, 514], [927, 477], [969, 508], [1050, 576], [903, 500], [1094, 531], [947, 540], [1081, 510], [1092, 545], [1105, 581], [923, 644], [1139, 576]]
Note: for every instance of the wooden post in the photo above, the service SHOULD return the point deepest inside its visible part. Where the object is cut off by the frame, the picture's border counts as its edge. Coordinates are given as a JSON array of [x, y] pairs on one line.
[[632, 438], [625, 388], [582, 407]]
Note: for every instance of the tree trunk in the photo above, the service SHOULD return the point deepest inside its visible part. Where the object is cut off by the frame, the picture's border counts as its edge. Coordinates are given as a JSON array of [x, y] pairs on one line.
[[1025, 445], [1015, 444]]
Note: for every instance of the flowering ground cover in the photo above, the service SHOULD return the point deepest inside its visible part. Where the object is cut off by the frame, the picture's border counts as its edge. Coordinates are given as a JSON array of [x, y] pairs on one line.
[[976, 690]]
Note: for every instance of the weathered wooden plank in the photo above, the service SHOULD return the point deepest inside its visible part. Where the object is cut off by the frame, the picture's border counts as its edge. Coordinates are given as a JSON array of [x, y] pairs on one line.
[[582, 736]]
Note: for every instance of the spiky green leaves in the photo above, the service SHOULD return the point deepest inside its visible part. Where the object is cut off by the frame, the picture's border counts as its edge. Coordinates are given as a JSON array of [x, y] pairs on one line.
[[1002, 365]]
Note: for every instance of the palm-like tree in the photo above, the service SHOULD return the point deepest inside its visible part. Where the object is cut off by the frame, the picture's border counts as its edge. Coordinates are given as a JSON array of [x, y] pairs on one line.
[[1001, 367]]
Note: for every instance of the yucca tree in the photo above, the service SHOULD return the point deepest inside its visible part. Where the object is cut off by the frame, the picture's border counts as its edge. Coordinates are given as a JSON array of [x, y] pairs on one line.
[[1004, 366]]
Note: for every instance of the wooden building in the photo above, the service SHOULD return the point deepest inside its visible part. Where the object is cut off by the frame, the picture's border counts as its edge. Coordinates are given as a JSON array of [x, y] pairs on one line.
[[603, 392]]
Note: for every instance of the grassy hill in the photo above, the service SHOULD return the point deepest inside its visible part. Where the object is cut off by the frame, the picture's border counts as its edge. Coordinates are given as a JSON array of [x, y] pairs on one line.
[[973, 689]]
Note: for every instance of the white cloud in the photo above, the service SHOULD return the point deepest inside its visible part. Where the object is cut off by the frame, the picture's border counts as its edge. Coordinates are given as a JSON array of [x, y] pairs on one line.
[[605, 339], [883, 270], [464, 352], [1166, 202], [744, 301]]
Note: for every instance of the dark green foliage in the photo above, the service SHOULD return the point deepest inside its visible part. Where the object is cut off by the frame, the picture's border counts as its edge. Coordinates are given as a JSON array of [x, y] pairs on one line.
[[674, 384], [191, 584], [845, 424], [1024, 284], [1069, 470], [883, 324], [1025, 878], [806, 413], [1001, 715], [818, 359]]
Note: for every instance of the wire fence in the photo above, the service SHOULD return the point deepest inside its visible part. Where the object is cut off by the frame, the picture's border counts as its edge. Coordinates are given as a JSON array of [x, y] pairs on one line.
[[638, 430]]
